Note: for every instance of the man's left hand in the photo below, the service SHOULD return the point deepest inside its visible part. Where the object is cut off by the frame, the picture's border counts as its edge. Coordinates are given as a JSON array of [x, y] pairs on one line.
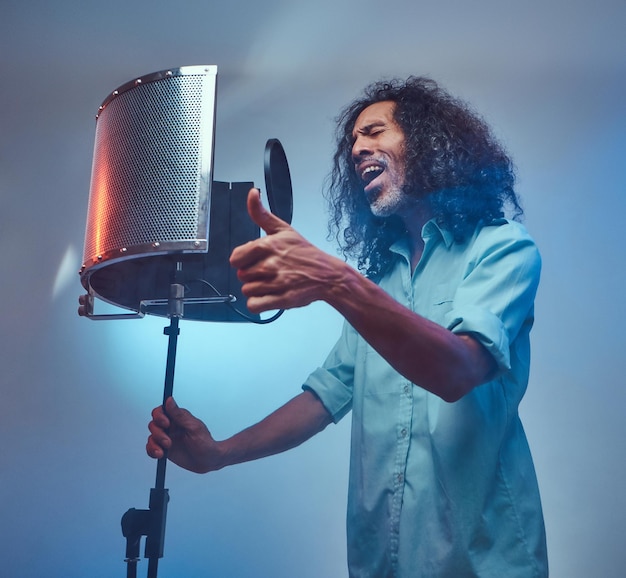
[[281, 270]]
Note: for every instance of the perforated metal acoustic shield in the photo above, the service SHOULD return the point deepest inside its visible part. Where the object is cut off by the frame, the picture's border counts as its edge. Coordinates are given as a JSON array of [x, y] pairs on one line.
[[152, 166], [150, 195]]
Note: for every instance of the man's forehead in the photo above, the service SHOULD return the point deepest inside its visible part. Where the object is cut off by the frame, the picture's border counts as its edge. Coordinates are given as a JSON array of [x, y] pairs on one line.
[[377, 113]]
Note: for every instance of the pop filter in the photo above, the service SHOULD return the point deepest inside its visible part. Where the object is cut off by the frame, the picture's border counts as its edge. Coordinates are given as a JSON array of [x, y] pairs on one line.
[[278, 180]]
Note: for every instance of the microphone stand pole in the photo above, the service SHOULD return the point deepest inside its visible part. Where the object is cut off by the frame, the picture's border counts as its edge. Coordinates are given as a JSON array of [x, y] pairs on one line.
[[151, 522]]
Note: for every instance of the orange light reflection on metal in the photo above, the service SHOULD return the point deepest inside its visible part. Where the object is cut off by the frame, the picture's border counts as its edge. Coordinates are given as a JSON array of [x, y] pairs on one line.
[[100, 213]]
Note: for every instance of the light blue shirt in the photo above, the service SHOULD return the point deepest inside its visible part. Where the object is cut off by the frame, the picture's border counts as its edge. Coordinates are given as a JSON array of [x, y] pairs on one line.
[[437, 489]]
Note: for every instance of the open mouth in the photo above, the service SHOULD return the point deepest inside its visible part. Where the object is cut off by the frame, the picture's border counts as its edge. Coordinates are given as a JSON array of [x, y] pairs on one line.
[[370, 171]]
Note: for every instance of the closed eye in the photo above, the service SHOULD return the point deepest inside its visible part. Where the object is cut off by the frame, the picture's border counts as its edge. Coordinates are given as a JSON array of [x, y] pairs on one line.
[[369, 130]]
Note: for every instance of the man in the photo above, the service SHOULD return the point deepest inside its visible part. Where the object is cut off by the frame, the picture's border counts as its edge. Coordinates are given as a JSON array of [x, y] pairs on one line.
[[434, 356]]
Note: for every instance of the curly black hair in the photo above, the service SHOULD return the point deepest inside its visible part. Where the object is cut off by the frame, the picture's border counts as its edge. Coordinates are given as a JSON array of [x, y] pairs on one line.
[[453, 163]]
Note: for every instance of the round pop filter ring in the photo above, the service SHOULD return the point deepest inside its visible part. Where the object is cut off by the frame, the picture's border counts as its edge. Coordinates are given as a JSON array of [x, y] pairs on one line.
[[278, 180]]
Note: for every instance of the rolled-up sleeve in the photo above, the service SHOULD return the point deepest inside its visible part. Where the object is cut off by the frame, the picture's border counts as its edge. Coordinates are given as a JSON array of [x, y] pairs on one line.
[[495, 299], [333, 382]]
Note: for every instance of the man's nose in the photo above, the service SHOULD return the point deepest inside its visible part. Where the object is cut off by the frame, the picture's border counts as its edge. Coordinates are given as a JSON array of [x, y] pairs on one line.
[[360, 148]]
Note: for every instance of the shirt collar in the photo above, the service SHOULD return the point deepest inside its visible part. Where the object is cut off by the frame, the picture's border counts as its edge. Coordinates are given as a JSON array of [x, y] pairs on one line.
[[431, 233], [432, 230]]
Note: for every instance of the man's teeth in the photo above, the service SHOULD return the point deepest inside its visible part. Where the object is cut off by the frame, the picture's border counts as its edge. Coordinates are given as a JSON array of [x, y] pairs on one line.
[[371, 169]]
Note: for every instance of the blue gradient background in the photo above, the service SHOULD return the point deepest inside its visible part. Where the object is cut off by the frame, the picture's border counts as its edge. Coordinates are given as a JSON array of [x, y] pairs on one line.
[[549, 76]]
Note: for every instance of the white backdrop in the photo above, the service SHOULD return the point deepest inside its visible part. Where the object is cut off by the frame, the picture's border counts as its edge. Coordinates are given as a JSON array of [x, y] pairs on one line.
[[76, 395]]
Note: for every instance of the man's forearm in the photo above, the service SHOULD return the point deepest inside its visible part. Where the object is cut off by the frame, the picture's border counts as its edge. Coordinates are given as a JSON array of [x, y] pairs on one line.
[[289, 426], [446, 364]]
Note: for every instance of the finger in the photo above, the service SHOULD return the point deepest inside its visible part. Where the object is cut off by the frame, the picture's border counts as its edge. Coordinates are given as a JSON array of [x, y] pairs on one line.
[[180, 419], [269, 302], [153, 449], [170, 405], [262, 297], [154, 452], [263, 272], [247, 254], [158, 433], [172, 411], [269, 222], [256, 287], [263, 304], [160, 418]]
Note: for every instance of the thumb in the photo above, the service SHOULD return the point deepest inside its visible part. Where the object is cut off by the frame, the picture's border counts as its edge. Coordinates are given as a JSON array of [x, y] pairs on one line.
[[171, 409], [178, 416], [269, 222]]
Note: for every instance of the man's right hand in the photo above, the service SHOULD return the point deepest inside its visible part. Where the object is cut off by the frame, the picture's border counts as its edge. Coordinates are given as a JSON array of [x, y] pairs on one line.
[[186, 441], [176, 434]]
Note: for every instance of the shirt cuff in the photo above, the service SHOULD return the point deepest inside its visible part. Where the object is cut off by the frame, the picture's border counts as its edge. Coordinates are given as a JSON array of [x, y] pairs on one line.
[[333, 393], [486, 328]]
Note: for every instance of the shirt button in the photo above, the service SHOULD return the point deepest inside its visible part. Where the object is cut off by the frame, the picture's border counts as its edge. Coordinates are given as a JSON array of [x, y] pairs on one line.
[[407, 389], [400, 478], [403, 432]]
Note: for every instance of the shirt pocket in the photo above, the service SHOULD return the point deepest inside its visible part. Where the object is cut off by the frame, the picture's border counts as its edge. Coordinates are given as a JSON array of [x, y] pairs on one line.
[[437, 303]]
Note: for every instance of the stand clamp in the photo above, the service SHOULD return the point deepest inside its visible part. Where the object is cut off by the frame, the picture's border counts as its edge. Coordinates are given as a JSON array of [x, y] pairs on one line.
[[149, 523]]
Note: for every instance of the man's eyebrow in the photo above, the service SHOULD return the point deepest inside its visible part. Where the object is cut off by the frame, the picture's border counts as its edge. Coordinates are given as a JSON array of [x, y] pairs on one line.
[[368, 127]]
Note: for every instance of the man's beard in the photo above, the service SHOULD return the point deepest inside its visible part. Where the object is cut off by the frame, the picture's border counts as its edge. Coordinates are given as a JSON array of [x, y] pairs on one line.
[[389, 203], [397, 200]]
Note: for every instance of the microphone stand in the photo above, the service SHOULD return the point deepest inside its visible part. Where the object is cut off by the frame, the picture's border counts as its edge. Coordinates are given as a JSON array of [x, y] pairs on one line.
[[151, 522]]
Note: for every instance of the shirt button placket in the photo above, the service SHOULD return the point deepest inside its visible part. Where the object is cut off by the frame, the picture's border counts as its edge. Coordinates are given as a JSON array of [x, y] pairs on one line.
[[406, 404]]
